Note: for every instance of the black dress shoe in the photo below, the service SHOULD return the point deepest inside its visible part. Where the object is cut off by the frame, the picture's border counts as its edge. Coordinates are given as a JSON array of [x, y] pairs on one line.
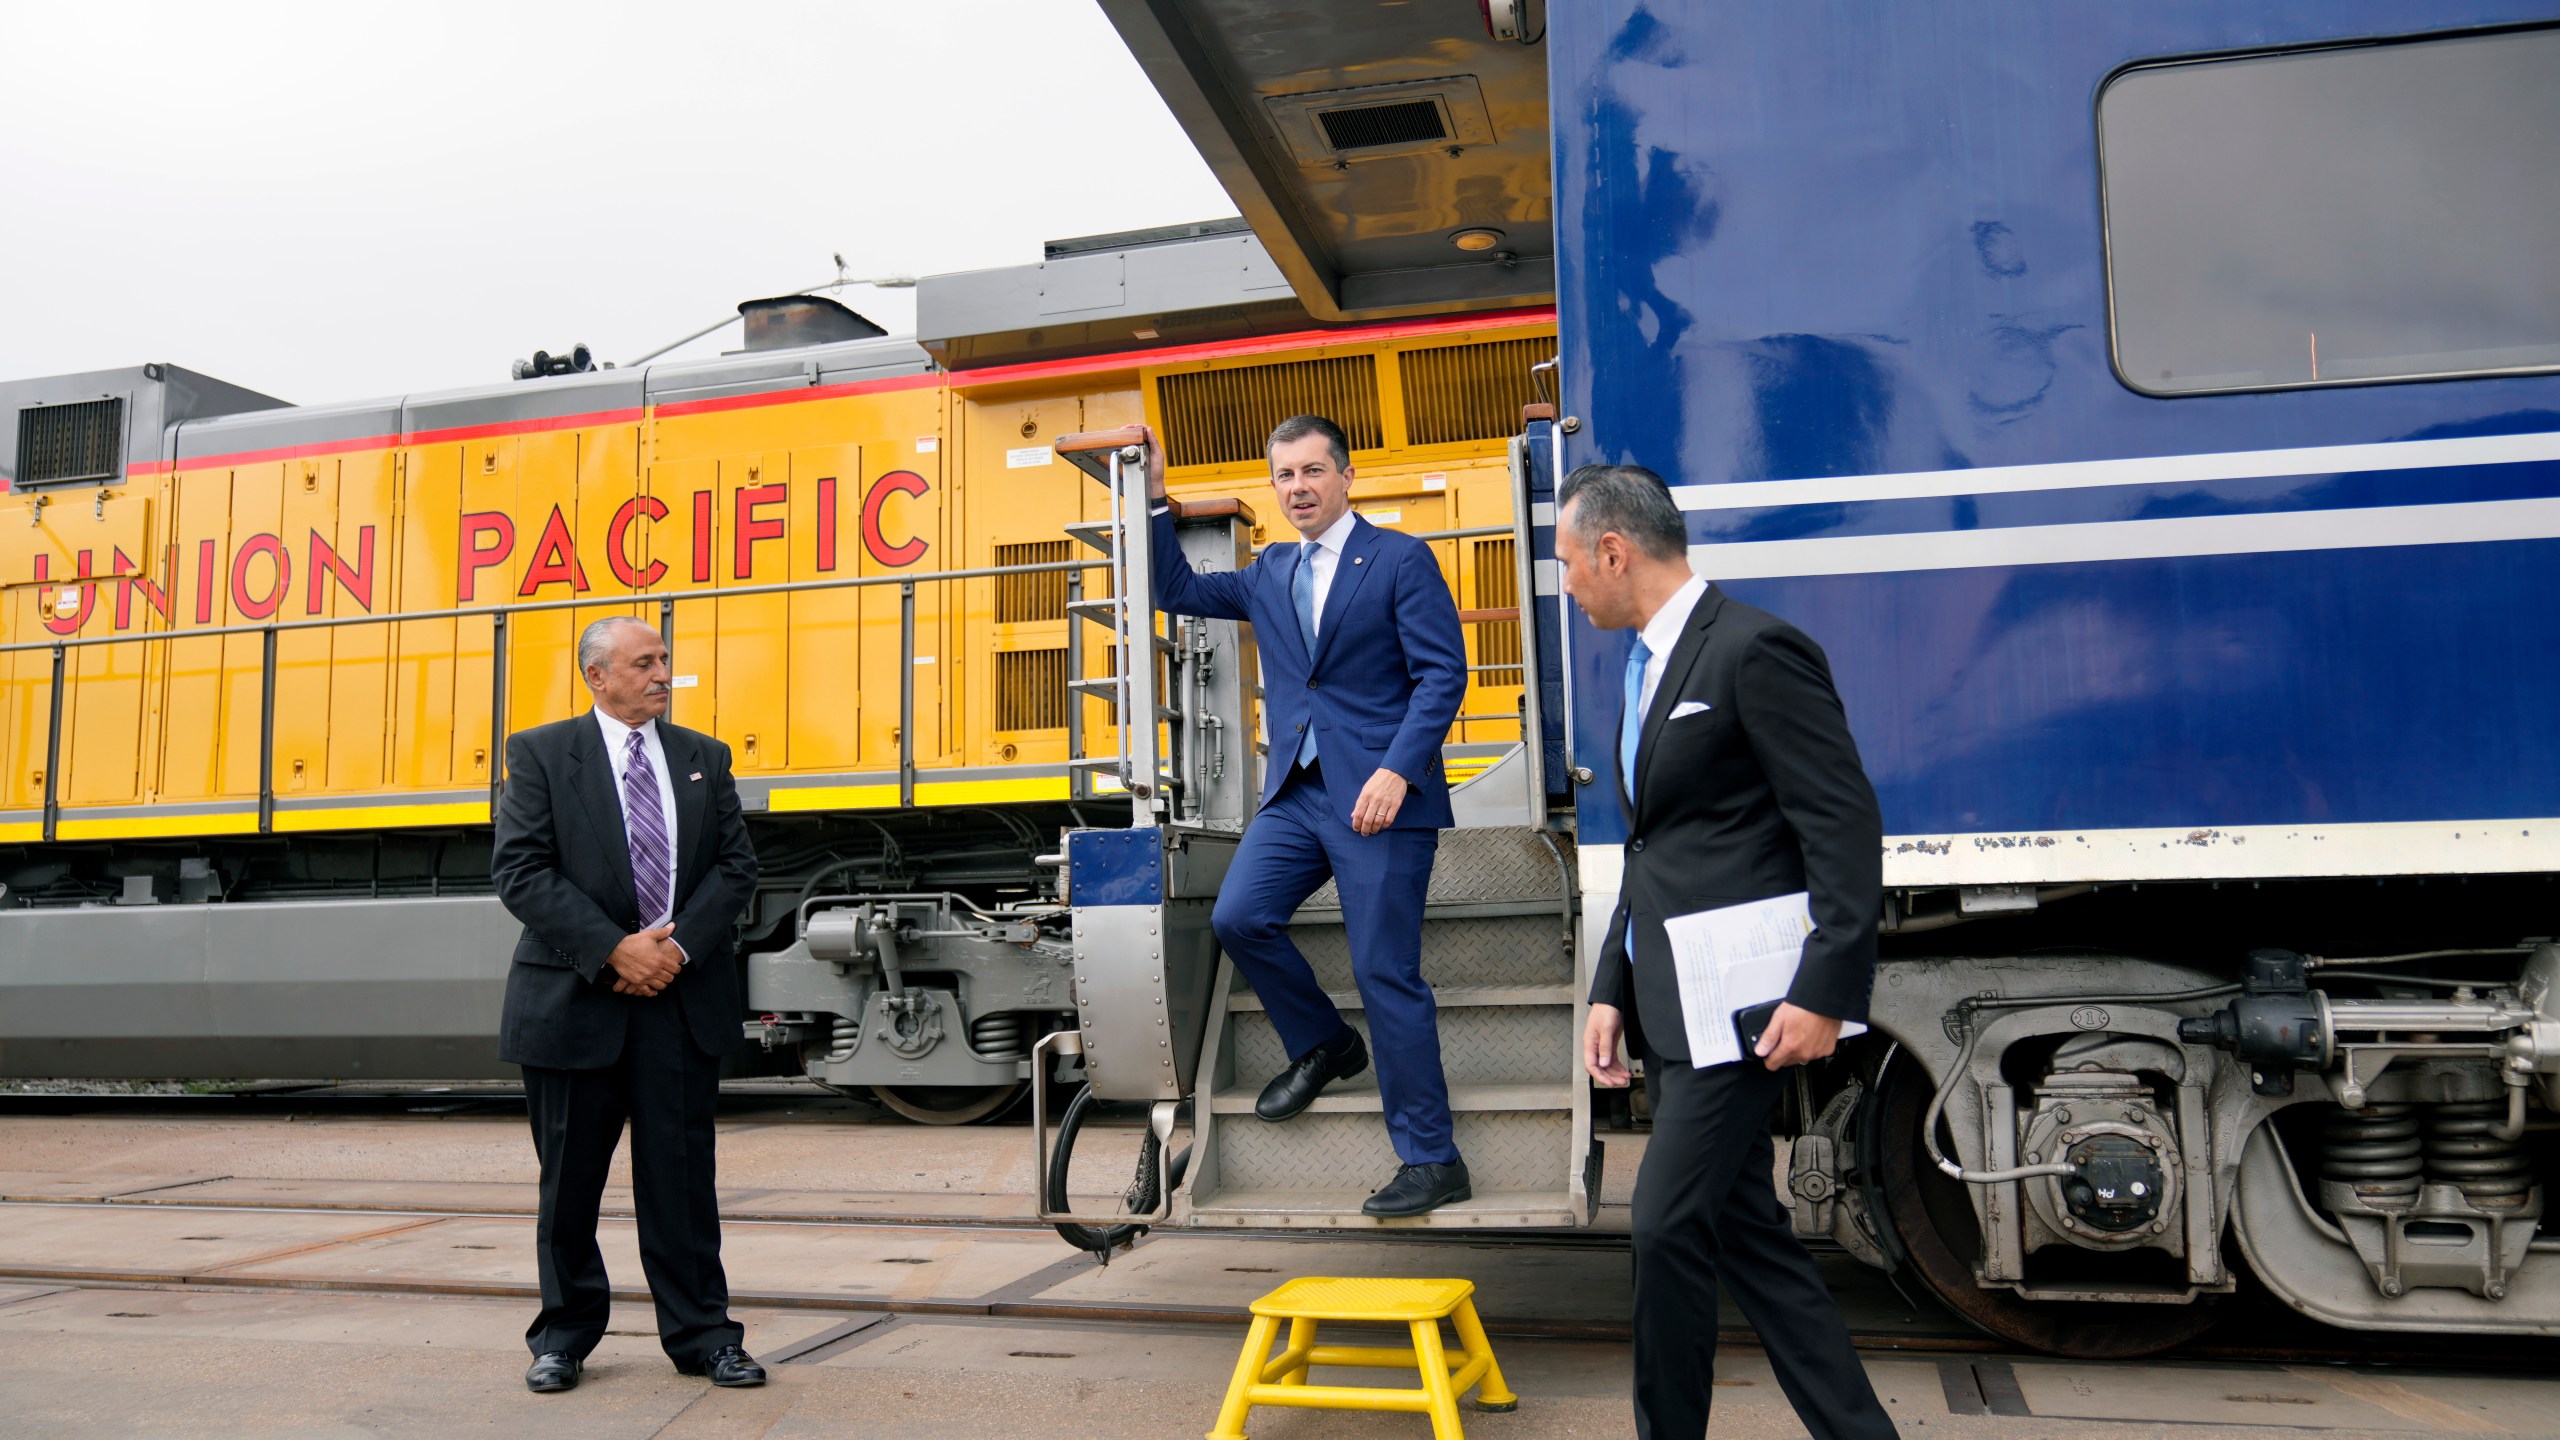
[[1295, 1088], [552, 1370], [728, 1366], [1419, 1189]]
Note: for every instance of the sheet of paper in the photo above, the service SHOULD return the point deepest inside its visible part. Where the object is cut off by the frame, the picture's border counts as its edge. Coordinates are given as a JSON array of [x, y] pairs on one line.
[[1732, 959]]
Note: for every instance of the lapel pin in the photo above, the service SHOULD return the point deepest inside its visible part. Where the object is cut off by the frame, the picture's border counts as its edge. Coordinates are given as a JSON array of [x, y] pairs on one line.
[[1356, 559], [696, 775]]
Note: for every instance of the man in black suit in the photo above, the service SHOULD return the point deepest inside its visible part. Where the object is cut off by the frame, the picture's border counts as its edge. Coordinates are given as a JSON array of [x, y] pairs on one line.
[[622, 849], [1739, 782]]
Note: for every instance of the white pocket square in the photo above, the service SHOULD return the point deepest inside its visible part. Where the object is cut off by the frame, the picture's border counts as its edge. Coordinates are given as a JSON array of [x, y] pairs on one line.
[[1689, 707]]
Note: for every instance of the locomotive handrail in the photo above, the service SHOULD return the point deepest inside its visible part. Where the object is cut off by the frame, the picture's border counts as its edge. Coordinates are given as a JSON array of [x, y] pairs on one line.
[[526, 607], [667, 600], [498, 617]]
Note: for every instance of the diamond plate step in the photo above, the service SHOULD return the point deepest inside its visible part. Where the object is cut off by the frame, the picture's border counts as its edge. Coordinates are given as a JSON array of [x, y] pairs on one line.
[[1342, 1150], [1488, 950], [1495, 863], [1479, 1045], [1359, 1096], [1339, 1209]]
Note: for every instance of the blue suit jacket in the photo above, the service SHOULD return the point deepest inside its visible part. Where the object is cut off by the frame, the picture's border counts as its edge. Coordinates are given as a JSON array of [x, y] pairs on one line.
[[1388, 673]]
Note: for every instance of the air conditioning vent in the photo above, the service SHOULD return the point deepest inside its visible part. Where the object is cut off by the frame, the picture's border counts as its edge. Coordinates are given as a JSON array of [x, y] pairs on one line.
[[1222, 417], [1362, 127], [59, 444], [1024, 598], [1031, 689], [1469, 392], [1362, 122]]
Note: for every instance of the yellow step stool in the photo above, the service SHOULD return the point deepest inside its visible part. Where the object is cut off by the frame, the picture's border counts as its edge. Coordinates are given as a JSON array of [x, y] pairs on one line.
[[1262, 1379]]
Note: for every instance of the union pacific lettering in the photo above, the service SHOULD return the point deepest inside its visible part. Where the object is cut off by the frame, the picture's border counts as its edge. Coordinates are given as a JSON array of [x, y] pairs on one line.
[[260, 571]]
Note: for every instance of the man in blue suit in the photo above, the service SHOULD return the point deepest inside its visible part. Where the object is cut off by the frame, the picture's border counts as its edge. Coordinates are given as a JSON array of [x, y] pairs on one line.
[[1363, 670]]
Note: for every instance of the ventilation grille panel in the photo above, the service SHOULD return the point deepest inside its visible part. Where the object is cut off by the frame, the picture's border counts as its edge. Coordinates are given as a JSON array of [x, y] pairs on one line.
[[81, 441], [1469, 392], [1364, 127], [1497, 587], [1024, 598], [1222, 417], [1031, 689]]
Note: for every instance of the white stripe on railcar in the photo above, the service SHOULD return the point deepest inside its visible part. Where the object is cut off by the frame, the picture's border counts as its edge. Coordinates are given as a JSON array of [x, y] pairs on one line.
[[2140, 470]]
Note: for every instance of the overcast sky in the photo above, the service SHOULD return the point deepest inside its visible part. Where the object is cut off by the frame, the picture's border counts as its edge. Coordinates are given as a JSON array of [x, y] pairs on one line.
[[337, 201]]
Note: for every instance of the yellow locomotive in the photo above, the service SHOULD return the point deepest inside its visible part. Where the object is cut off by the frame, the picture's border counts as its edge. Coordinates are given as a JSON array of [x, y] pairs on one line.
[[231, 620]]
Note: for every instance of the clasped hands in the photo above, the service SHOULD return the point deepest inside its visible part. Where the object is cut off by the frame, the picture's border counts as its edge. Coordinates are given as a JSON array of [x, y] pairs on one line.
[[646, 963], [1794, 1037]]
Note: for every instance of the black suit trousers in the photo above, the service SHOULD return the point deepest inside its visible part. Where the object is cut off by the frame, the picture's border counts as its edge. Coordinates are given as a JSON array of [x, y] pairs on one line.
[[1707, 1213], [668, 1089]]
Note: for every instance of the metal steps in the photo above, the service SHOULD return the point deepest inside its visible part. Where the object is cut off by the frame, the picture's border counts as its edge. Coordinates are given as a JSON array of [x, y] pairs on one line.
[[1496, 947]]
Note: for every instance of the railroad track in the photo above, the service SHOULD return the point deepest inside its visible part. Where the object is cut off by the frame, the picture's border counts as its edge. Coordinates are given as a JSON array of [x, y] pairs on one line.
[[2274, 1337]]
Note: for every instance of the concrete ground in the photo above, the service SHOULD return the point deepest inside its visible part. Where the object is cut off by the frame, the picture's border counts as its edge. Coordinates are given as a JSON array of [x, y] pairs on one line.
[[164, 1273]]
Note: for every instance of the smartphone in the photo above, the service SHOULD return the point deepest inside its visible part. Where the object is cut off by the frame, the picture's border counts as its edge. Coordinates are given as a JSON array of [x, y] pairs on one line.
[[1751, 1022]]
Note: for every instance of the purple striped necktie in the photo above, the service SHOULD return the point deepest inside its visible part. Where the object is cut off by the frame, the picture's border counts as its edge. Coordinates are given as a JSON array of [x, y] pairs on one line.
[[645, 821]]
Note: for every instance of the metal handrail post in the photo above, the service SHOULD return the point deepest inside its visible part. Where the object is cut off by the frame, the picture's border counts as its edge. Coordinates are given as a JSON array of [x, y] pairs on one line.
[[267, 733], [53, 751], [1079, 784], [1141, 668], [497, 711], [667, 622], [907, 694]]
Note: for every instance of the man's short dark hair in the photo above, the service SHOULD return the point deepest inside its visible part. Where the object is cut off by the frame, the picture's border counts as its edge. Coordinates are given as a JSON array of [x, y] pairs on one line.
[[1629, 499], [1299, 427]]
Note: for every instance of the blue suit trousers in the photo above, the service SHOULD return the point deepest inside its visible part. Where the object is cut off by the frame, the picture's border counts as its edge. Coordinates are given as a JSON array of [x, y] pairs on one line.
[[1294, 843]]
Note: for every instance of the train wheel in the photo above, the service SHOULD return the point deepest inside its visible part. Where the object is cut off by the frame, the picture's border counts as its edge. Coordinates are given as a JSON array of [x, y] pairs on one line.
[[1933, 1218], [948, 1104]]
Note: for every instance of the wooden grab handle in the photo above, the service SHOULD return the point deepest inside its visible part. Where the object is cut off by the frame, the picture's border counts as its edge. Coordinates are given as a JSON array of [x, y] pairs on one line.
[[1093, 440]]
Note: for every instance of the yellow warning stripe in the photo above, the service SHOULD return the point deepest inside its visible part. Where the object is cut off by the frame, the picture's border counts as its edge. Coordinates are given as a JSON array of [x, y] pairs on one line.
[[928, 792], [347, 817]]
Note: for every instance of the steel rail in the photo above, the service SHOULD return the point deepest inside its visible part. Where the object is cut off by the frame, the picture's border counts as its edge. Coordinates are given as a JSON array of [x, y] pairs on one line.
[[2462, 1353]]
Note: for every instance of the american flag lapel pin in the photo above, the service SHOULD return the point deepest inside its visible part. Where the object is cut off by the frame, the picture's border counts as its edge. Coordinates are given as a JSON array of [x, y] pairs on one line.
[[696, 775]]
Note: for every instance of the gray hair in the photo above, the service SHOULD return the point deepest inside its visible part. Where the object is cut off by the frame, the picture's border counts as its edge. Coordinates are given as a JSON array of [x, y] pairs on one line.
[[1629, 499], [595, 643], [1299, 427]]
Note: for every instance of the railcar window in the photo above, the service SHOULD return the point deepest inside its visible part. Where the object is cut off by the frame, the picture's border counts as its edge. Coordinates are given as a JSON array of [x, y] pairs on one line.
[[2336, 216]]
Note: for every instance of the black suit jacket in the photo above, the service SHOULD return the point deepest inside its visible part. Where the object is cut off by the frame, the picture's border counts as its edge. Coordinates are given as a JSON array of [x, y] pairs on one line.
[[562, 864], [1760, 794]]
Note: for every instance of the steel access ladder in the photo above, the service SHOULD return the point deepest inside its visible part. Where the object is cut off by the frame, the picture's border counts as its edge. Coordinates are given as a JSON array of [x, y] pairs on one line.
[[1498, 943]]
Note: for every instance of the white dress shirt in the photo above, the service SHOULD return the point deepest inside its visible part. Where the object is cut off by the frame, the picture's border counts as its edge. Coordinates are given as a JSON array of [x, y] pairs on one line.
[[1326, 557], [1662, 633], [617, 741]]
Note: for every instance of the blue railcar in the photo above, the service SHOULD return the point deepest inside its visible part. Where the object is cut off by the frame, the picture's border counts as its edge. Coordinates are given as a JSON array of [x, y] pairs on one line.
[[2154, 410]]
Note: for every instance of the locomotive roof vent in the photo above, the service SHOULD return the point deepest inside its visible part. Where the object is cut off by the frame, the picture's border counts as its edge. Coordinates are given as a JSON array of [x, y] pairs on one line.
[[1335, 127], [786, 322], [78, 442], [1366, 127], [84, 429]]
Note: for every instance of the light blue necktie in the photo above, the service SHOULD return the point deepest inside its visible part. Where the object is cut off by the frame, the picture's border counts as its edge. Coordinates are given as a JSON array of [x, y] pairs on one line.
[[1302, 589], [1631, 716], [1631, 726]]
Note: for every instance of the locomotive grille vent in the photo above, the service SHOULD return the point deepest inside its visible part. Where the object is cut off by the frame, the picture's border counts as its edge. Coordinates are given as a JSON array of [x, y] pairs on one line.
[[1222, 417], [81, 441], [1365, 127], [1031, 689], [1469, 392], [1497, 587], [1022, 598]]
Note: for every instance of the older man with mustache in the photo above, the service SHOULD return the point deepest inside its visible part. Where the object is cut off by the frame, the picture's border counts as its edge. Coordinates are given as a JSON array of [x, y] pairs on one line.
[[622, 848]]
